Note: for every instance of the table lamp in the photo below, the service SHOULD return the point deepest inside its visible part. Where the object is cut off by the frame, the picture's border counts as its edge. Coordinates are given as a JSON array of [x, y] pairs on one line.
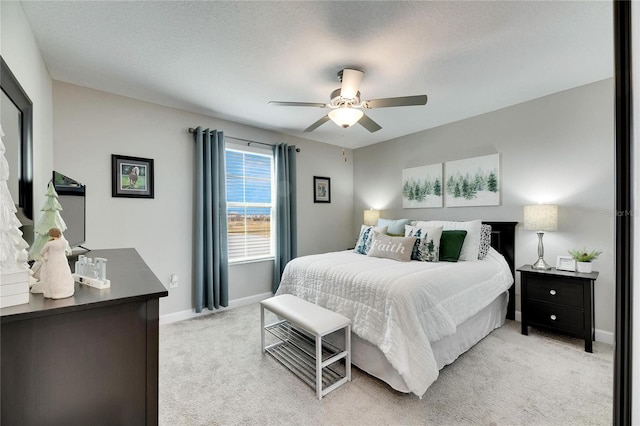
[[371, 217], [541, 218]]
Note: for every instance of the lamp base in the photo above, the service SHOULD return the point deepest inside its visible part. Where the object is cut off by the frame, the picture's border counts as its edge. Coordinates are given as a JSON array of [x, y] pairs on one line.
[[541, 264]]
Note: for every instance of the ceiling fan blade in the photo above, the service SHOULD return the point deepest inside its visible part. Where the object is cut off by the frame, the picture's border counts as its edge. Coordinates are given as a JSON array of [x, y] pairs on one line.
[[303, 104], [395, 102], [369, 124], [350, 83], [317, 124]]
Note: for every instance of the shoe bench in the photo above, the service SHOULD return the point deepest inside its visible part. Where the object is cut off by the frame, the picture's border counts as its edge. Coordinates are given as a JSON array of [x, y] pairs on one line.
[[300, 345]]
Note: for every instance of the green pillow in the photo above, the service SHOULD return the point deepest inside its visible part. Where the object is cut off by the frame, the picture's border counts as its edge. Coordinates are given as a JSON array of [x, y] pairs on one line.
[[451, 245]]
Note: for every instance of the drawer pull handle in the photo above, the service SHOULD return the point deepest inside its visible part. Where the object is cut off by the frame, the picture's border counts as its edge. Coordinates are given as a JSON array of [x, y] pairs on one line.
[[553, 317], [552, 292]]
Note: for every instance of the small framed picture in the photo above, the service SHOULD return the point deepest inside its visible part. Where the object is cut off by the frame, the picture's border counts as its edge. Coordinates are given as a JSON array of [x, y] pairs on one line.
[[566, 263], [321, 189], [131, 177]]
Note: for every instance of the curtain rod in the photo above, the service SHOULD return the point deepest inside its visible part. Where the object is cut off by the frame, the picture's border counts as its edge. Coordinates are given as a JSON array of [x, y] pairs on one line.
[[249, 142]]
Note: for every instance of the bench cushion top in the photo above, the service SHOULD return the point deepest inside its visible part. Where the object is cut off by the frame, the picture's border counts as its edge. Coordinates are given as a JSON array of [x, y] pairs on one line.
[[311, 317]]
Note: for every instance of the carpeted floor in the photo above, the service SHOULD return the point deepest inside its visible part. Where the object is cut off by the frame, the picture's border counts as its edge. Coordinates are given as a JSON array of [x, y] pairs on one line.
[[213, 373]]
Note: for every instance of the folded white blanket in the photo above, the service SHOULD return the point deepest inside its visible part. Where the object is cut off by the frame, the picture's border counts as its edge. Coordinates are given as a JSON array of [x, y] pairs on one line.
[[399, 306]]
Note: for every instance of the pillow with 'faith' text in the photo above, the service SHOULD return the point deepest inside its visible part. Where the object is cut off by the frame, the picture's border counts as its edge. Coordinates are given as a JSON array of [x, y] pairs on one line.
[[396, 248]]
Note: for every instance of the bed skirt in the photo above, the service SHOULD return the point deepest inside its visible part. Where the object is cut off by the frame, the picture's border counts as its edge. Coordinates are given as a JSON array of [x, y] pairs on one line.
[[370, 359]]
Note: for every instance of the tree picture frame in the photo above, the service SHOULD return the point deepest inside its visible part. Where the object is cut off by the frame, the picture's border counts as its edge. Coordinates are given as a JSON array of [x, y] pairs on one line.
[[422, 187], [473, 181]]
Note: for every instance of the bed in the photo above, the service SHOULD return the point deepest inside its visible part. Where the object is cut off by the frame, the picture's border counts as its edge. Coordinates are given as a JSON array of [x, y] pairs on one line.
[[410, 319]]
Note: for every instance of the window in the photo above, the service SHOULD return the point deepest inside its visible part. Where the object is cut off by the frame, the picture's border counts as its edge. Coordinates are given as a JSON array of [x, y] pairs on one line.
[[249, 204]]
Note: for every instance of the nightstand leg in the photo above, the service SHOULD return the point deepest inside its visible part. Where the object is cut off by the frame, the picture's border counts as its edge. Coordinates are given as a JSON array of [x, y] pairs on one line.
[[523, 304], [588, 345]]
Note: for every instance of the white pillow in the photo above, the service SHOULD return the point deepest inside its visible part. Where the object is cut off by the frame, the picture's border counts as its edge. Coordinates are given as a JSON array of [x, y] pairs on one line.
[[364, 239], [471, 245], [427, 247]]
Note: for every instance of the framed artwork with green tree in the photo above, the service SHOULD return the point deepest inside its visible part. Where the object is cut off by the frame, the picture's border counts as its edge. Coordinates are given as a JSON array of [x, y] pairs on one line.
[[422, 186], [473, 181]]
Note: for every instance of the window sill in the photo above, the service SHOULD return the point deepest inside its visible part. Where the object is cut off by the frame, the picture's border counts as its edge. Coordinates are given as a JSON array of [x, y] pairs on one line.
[[255, 260]]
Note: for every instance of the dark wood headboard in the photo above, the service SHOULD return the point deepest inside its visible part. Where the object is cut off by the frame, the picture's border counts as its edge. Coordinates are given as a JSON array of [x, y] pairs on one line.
[[503, 239]]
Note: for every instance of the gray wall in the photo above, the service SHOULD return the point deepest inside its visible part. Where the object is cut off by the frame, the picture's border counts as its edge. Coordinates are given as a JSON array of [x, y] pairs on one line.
[[556, 149], [90, 125], [21, 53]]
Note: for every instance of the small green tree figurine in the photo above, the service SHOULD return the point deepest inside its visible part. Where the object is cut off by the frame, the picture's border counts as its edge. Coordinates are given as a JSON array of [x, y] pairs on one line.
[[50, 219]]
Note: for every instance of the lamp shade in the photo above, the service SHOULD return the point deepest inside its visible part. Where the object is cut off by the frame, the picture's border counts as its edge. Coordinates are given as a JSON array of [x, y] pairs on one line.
[[541, 217], [345, 117], [371, 217]]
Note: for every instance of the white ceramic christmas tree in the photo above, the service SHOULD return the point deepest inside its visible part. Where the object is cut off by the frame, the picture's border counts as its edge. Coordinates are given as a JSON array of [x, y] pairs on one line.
[[13, 253], [14, 271], [50, 219]]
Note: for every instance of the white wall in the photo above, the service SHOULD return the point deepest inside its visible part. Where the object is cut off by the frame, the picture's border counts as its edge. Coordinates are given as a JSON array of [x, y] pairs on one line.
[[90, 125], [559, 148], [21, 53]]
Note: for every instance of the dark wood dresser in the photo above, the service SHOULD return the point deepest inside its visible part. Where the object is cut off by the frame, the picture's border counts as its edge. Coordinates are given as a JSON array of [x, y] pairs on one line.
[[560, 301], [88, 359]]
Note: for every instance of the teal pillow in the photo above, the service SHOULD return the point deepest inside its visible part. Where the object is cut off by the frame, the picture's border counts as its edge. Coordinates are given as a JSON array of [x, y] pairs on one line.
[[451, 245], [394, 227]]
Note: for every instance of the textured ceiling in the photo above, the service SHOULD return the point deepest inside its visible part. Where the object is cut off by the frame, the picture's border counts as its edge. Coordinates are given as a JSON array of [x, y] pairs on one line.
[[228, 59]]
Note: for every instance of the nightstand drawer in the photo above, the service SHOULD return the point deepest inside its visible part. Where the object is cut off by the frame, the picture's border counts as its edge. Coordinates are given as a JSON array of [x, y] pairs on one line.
[[558, 291], [559, 317]]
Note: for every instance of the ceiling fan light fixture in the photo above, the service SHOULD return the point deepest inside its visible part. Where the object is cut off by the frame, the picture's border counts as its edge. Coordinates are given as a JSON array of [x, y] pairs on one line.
[[345, 117]]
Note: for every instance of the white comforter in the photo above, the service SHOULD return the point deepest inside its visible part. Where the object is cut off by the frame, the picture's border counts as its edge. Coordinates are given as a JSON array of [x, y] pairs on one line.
[[399, 306]]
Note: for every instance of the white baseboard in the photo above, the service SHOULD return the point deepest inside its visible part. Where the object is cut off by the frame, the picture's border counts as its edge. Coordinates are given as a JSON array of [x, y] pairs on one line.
[[518, 316], [604, 336], [601, 335], [191, 313]]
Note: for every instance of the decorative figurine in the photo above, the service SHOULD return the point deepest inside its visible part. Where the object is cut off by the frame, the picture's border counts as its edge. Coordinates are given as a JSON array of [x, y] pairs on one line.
[[56, 281], [92, 272]]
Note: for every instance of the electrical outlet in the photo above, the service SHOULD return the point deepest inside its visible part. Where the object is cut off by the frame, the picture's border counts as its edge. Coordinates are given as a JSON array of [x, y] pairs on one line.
[[173, 281]]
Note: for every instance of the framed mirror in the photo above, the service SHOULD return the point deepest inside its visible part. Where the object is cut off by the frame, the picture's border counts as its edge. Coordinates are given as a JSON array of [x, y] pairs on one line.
[[17, 121]]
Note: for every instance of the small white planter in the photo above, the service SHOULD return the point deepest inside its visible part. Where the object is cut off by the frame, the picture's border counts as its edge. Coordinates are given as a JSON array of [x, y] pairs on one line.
[[584, 267]]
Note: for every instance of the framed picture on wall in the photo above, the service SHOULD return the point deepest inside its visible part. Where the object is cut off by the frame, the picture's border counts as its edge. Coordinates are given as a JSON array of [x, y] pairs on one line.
[[321, 189], [422, 187], [472, 181], [131, 177]]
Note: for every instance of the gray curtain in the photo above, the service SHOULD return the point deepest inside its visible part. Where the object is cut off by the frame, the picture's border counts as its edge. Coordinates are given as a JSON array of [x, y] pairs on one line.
[[211, 255], [286, 224]]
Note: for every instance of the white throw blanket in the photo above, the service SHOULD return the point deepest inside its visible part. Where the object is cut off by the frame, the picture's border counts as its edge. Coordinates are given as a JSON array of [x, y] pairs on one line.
[[399, 306]]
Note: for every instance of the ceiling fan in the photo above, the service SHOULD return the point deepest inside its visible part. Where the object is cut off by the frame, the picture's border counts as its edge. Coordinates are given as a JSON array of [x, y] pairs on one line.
[[346, 108]]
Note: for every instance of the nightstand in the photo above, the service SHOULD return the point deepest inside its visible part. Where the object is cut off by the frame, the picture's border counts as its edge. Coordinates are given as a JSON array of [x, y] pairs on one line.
[[560, 301]]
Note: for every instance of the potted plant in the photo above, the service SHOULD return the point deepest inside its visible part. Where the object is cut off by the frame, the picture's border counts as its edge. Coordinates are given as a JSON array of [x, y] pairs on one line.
[[583, 258]]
